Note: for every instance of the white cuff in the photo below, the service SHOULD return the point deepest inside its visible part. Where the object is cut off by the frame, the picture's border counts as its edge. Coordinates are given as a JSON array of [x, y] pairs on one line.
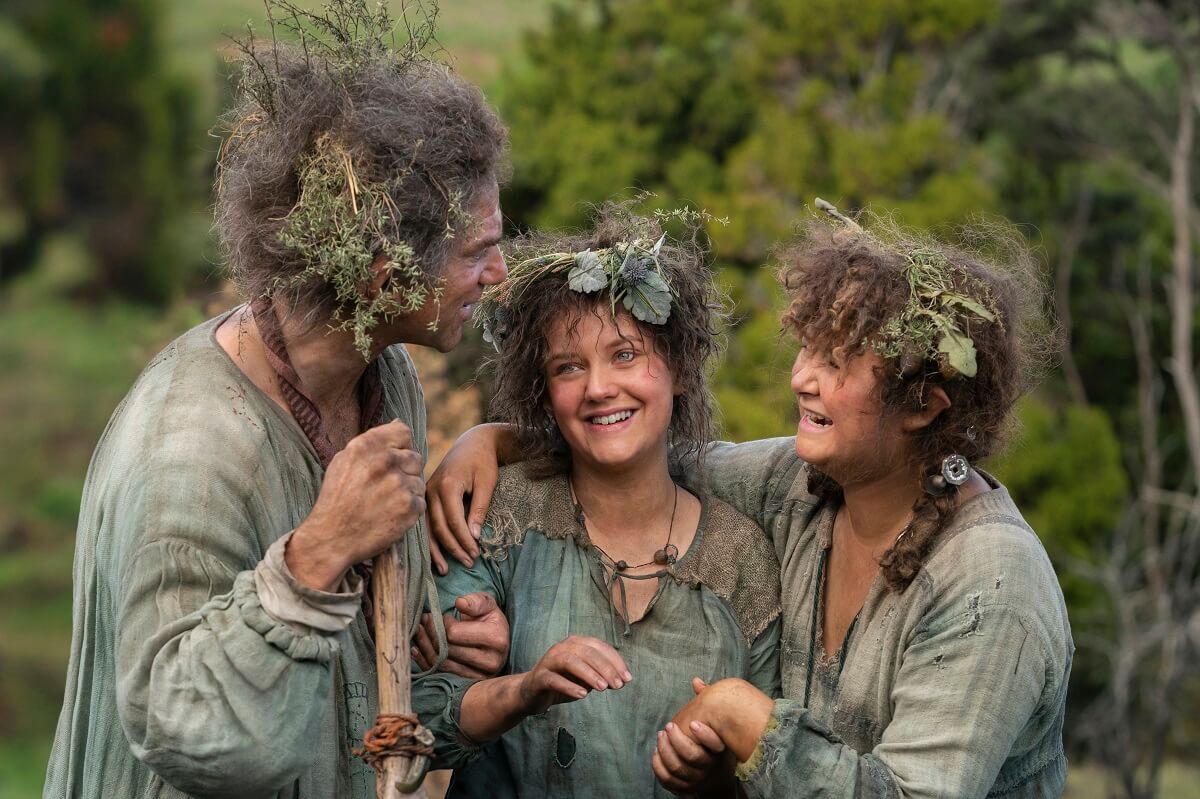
[[291, 602]]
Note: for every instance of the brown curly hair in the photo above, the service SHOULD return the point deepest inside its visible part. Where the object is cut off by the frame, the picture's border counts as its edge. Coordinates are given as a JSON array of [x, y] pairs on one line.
[[688, 340], [846, 288], [413, 126]]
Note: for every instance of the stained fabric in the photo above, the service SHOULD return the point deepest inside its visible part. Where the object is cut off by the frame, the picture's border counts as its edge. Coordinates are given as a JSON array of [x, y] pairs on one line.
[[549, 581], [180, 683], [957, 687]]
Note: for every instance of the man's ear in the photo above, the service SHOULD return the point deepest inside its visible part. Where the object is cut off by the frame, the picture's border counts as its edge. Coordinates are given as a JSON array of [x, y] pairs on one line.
[[936, 401], [379, 274]]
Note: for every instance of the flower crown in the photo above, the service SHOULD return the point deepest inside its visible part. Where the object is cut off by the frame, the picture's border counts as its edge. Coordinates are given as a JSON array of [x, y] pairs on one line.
[[630, 271], [935, 323]]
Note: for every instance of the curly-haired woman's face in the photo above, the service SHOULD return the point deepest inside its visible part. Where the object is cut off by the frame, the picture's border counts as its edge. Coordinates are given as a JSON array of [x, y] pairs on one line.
[[609, 391], [841, 430]]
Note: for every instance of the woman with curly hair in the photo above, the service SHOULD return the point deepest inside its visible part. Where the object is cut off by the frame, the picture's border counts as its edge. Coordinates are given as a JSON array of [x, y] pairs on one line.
[[926, 646], [619, 583]]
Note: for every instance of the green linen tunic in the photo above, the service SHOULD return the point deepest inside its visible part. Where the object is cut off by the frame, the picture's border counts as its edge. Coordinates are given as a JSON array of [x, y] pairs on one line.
[[180, 682], [714, 615], [957, 687]]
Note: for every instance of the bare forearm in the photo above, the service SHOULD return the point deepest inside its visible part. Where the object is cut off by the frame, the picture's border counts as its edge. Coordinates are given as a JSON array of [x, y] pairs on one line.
[[504, 440], [492, 707]]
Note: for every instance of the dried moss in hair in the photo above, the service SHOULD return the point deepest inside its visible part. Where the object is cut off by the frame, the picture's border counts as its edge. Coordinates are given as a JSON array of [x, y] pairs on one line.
[[852, 292], [343, 149]]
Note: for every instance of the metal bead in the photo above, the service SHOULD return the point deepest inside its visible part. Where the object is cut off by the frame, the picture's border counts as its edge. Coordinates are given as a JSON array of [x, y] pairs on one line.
[[935, 484], [622, 565], [660, 557], [956, 469]]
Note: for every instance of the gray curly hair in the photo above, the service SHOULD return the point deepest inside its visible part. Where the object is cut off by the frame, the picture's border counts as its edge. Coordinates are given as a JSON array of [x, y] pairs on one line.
[[425, 141]]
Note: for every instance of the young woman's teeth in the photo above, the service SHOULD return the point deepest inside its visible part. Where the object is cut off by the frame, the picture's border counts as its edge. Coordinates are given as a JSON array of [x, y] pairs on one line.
[[612, 418], [817, 419]]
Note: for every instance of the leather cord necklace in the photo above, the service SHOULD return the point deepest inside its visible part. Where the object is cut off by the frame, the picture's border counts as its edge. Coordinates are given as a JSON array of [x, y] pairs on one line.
[[616, 571]]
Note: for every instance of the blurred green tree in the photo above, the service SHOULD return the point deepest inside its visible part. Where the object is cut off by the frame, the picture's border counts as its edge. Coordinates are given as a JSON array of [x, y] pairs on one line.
[[96, 143]]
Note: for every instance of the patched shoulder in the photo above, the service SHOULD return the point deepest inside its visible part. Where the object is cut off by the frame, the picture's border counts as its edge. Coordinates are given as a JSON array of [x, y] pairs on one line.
[[522, 502], [735, 560]]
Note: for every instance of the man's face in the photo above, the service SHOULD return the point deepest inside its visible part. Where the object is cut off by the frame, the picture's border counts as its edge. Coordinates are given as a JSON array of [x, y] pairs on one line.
[[474, 263]]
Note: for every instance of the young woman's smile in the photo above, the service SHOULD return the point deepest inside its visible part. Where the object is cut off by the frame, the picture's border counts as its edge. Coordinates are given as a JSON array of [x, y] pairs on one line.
[[610, 392]]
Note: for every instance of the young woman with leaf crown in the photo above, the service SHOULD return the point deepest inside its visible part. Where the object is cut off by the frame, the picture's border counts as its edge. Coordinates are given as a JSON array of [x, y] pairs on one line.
[[926, 646], [619, 583]]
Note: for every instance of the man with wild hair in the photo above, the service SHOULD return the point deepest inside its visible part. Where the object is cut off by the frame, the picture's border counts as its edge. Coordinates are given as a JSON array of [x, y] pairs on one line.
[[219, 646]]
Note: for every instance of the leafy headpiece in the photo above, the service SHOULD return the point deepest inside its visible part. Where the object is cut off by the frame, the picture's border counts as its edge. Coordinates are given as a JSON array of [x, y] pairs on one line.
[[630, 272], [943, 302]]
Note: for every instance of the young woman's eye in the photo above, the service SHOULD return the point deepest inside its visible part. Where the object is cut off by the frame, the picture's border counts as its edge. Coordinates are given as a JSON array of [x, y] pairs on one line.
[[625, 356], [564, 368]]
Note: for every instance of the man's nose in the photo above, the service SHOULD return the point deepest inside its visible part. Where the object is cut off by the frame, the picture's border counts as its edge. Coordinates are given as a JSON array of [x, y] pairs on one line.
[[496, 270]]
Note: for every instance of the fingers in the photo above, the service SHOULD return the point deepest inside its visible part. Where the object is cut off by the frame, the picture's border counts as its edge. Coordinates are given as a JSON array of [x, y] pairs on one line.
[[436, 559], [474, 633], [455, 514], [698, 685], [668, 780], [395, 434], [610, 663], [475, 605], [671, 760], [597, 656], [448, 544], [481, 499], [706, 736], [408, 461], [424, 649], [560, 685], [689, 753]]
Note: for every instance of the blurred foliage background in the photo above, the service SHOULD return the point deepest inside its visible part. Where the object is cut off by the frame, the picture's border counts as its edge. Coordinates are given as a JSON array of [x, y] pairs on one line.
[[1069, 117]]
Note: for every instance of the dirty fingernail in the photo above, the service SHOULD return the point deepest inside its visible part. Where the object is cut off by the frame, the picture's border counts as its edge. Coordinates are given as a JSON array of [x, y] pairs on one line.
[[476, 530]]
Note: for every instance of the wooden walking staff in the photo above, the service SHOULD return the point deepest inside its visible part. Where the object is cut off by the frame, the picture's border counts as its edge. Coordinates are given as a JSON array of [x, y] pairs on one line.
[[397, 747]]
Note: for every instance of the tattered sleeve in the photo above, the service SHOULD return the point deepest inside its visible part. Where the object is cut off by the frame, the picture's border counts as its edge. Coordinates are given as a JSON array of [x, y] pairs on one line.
[[437, 697]]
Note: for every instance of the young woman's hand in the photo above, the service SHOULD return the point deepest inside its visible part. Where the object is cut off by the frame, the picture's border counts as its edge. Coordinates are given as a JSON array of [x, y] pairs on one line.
[[465, 478], [726, 720], [694, 762], [569, 670]]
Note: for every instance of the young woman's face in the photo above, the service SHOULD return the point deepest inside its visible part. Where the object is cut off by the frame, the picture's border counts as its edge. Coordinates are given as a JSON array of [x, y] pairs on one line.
[[609, 391], [841, 430]]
